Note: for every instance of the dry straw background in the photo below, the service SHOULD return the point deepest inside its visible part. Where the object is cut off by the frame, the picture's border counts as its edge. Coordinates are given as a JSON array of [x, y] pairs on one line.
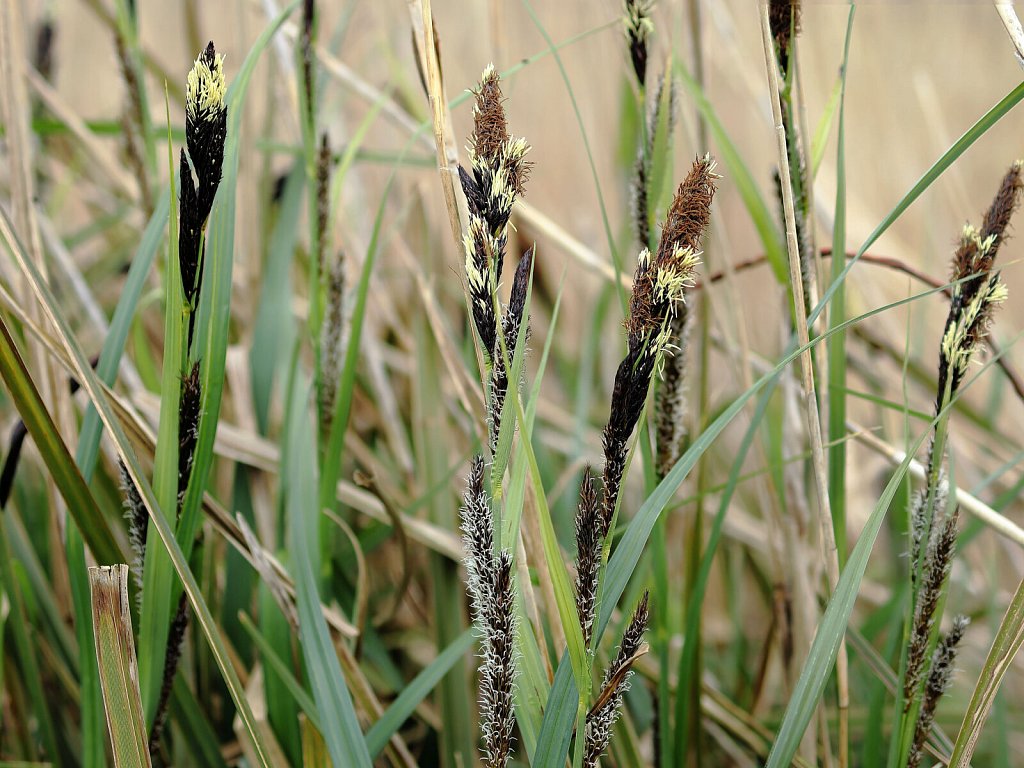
[[921, 73]]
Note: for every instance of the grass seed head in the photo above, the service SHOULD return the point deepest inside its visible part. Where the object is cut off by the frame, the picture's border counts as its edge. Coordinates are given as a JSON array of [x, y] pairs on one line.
[[638, 28], [206, 87], [605, 711], [490, 127], [589, 540]]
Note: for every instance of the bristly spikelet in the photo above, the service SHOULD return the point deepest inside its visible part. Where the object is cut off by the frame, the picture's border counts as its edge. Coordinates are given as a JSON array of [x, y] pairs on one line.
[[478, 537], [138, 522], [977, 289], [489, 582], [638, 28], [938, 683], [589, 540], [497, 672], [937, 564], [605, 711], [658, 287], [511, 322], [189, 412]]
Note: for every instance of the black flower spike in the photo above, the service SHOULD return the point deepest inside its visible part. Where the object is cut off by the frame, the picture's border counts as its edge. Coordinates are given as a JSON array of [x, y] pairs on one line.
[[495, 179], [511, 322], [977, 289], [489, 580], [206, 119], [189, 412], [605, 711], [589, 540], [938, 683], [638, 28]]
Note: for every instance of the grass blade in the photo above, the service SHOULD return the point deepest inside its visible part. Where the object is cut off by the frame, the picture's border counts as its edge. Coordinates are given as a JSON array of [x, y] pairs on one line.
[[83, 372], [119, 674], [417, 690], [837, 344], [155, 617], [51, 447], [344, 738], [1009, 638]]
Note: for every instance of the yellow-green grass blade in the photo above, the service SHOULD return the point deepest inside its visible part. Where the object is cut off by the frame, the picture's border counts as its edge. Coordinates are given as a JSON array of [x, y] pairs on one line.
[[1004, 648], [314, 748], [155, 617], [824, 127], [837, 343], [344, 738], [92, 387], [119, 674]]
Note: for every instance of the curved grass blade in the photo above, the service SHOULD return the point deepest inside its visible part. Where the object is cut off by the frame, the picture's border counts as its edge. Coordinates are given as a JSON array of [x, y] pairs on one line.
[[344, 738], [1008, 640], [155, 617], [832, 627], [961, 145], [91, 385]]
